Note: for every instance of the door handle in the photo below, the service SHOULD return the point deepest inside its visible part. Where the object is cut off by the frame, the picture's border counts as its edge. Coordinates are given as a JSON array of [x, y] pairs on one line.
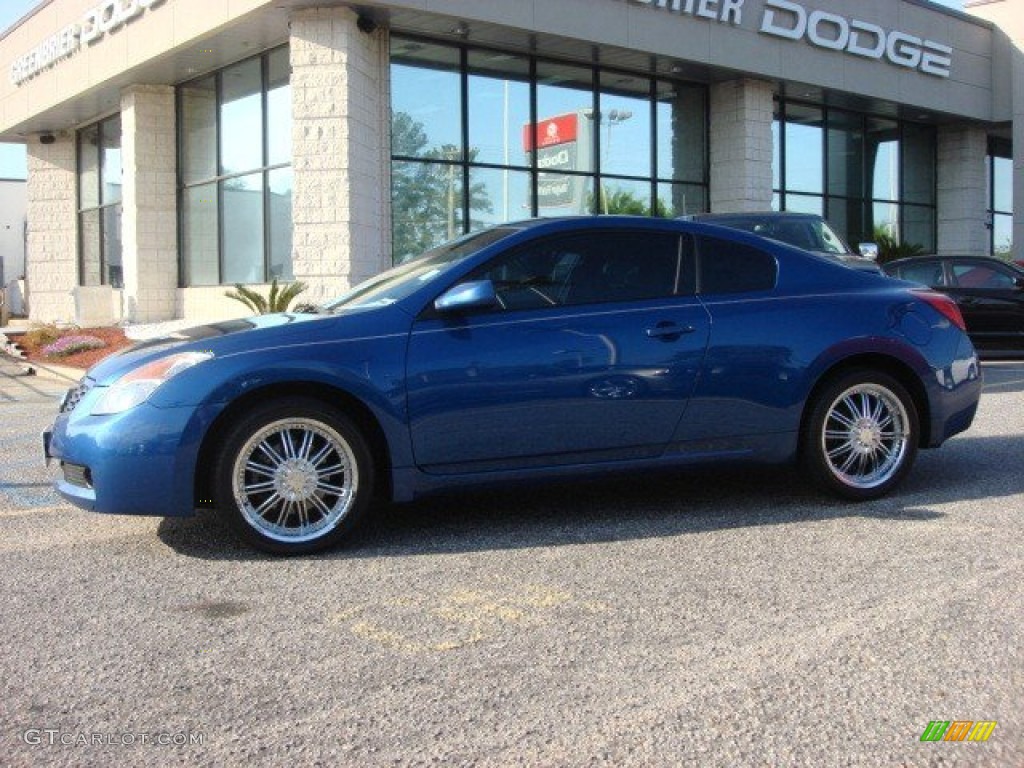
[[967, 302], [668, 330]]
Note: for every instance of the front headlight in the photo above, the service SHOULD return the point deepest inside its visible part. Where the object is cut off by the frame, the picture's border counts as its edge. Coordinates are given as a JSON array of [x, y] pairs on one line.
[[137, 385]]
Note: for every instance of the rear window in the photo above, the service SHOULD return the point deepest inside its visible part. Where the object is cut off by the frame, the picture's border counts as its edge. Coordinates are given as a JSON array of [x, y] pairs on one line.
[[728, 267]]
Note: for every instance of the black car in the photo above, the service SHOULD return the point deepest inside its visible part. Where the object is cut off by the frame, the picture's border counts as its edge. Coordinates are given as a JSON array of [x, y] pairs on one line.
[[808, 231], [989, 292]]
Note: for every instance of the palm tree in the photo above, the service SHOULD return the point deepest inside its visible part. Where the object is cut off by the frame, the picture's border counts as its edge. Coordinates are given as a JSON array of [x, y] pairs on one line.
[[277, 301]]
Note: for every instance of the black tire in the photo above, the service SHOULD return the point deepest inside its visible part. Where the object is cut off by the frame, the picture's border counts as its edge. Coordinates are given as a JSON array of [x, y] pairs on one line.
[[860, 437], [293, 475]]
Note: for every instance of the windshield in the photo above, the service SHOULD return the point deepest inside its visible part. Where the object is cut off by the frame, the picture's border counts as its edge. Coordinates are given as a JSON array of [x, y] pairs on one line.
[[405, 279]]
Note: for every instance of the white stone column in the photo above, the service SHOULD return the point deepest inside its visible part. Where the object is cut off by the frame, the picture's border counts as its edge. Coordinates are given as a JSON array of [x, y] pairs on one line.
[[741, 146], [51, 260], [149, 219], [340, 135], [962, 194]]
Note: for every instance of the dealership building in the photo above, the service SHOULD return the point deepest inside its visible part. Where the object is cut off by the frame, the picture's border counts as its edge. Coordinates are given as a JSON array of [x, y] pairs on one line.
[[179, 147]]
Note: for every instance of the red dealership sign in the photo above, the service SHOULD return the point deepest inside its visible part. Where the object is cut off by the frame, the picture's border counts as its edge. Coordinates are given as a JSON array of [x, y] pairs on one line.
[[560, 129]]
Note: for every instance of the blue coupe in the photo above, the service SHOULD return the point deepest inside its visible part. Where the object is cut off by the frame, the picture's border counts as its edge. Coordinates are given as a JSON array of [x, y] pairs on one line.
[[529, 350]]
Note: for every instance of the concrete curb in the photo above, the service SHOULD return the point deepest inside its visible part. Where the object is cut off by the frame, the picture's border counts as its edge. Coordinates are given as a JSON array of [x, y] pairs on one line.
[[62, 373]]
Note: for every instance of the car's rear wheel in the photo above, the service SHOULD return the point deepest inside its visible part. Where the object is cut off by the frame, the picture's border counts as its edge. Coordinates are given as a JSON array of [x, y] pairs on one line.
[[294, 476], [860, 438]]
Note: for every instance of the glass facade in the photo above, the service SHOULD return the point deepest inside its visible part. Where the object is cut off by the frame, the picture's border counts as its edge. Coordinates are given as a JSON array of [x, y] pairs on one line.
[[1000, 197], [869, 176], [99, 203], [481, 137], [235, 174]]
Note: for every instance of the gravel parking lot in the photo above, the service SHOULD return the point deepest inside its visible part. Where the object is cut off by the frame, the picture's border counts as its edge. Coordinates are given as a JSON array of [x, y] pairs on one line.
[[700, 618]]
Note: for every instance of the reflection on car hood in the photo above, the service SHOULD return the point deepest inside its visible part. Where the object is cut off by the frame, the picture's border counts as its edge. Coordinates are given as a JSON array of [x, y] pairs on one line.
[[213, 337]]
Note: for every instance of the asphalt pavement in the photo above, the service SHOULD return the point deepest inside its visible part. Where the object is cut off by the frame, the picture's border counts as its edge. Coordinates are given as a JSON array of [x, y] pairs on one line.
[[705, 618]]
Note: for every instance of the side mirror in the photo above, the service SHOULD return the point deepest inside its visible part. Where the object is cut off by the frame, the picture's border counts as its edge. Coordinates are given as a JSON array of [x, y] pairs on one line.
[[1018, 282], [476, 294], [868, 250]]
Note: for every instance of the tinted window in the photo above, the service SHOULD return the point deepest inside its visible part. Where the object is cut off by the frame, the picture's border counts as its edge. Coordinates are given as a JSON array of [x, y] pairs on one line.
[[593, 268], [973, 275], [728, 267], [926, 273]]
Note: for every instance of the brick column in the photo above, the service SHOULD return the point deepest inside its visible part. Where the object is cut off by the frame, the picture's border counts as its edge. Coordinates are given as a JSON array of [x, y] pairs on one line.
[[51, 268], [741, 146], [149, 218], [340, 133], [962, 195]]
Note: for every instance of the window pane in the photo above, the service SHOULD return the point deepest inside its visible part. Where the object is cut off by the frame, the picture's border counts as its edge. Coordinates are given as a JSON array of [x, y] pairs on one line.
[[918, 154], [89, 168], [625, 196], [805, 204], [112, 246], [1002, 172], [426, 204], [560, 194], [279, 108], [847, 217], [279, 190], [425, 93], [499, 108], [624, 119], [728, 267], [804, 149], [199, 130], [565, 111], [845, 154], [497, 196], [200, 234], [925, 273], [919, 227], [1002, 235], [776, 155], [680, 200], [974, 275], [605, 267], [242, 200], [682, 133], [241, 117], [89, 232], [886, 219], [110, 160], [884, 159]]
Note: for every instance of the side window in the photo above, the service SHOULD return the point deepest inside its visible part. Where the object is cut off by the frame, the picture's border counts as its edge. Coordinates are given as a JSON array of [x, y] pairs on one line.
[[728, 267], [599, 267], [926, 273], [971, 275]]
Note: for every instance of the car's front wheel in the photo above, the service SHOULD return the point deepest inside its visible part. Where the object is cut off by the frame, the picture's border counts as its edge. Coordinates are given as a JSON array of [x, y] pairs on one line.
[[861, 435], [294, 476]]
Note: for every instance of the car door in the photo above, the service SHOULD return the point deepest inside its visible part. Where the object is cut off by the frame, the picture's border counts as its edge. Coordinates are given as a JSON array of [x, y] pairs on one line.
[[991, 300], [590, 354]]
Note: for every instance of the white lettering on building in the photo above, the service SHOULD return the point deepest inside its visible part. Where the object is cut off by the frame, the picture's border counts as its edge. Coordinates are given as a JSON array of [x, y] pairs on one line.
[[831, 31], [723, 11], [105, 18], [789, 20]]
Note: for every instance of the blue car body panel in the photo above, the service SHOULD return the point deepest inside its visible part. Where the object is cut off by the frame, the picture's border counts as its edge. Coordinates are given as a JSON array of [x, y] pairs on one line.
[[489, 397]]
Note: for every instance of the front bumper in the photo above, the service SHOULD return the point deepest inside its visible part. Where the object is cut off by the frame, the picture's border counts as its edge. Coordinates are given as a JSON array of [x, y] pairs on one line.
[[140, 462]]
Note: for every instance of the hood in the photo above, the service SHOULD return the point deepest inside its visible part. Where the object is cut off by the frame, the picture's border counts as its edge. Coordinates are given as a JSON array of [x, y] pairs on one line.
[[225, 338]]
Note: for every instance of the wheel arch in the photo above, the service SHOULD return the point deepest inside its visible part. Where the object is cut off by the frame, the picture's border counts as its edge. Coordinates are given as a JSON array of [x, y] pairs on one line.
[[887, 364], [352, 406]]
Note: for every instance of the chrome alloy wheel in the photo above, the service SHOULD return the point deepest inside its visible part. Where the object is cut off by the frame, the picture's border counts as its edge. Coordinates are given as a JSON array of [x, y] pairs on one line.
[[866, 436], [295, 479]]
